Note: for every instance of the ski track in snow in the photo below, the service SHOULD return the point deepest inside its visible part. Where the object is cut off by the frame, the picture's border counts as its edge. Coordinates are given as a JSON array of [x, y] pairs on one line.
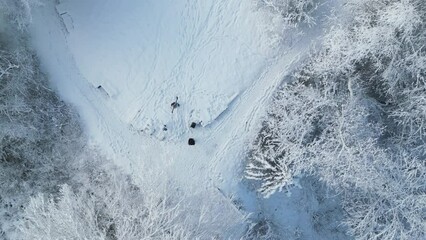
[[213, 163]]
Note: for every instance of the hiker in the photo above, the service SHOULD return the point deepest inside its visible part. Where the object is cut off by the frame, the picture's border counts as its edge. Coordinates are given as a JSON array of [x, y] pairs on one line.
[[191, 141], [193, 125], [175, 104]]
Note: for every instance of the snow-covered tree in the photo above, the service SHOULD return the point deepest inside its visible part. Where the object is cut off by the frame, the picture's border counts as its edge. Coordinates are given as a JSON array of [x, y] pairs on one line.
[[19, 11], [39, 134], [305, 126], [394, 207], [262, 230], [105, 203], [293, 12], [366, 138], [293, 120]]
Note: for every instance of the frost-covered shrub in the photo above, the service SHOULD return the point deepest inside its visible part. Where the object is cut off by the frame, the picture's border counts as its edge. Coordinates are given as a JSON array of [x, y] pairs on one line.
[[293, 12]]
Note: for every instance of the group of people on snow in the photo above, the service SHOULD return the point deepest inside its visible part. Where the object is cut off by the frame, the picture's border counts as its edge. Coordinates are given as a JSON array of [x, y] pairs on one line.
[[175, 105]]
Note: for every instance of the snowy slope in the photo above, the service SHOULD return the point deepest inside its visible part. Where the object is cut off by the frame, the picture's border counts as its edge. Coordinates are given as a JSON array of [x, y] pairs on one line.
[[144, 53], [220, 57], [105, 117]]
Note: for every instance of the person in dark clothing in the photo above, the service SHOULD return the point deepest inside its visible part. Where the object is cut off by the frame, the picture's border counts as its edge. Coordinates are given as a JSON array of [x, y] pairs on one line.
[[175, 104], [191, 141], [193, 125]]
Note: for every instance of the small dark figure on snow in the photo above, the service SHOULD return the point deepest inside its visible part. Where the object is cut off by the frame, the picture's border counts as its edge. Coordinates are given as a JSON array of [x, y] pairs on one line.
[[175, 104], [193, 125], [165, 128], [191, 141]]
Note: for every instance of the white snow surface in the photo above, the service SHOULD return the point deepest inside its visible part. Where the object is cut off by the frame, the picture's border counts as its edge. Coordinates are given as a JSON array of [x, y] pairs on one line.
[[222, 58], [145, 53]]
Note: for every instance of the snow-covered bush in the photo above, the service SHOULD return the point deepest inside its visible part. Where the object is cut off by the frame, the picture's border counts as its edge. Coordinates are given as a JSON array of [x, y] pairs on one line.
[[293, 12], [355, 118]]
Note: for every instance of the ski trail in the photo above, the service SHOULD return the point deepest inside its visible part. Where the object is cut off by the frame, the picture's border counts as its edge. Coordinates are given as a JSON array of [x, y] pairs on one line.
[[245, 116]]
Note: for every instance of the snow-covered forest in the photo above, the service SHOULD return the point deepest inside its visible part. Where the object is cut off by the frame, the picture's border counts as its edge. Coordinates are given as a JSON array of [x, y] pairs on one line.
[[309, 119], [353, 116]]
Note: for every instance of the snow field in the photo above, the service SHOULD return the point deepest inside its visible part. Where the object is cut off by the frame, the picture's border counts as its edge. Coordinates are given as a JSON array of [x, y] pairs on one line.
[[221, 58], [144, 54]]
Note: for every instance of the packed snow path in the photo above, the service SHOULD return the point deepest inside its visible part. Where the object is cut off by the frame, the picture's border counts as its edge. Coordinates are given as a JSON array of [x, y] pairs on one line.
[[220, 57]]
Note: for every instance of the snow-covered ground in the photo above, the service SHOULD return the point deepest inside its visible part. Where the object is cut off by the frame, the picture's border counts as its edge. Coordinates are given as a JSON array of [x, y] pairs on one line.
[[223, 59], [145, 53]]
